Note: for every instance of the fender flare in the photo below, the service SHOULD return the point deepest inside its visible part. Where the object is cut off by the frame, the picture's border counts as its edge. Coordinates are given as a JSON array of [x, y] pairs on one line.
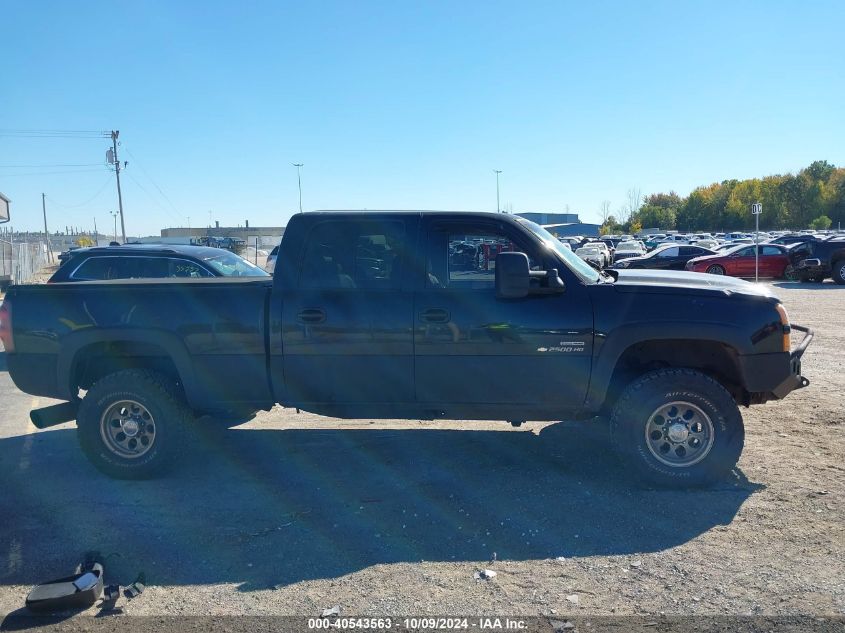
[[171, 344], [617, 342]]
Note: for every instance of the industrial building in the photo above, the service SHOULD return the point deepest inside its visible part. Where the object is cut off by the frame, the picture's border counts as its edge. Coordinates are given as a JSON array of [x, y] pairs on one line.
[[563, 224]]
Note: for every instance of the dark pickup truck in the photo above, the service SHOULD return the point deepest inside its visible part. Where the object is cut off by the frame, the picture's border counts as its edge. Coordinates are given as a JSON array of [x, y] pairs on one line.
[[816, 260], [381, 315]]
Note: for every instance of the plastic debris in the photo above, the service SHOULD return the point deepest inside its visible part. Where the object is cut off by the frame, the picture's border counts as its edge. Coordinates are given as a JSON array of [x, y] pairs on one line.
[[484, 574], [574, 598], [335, 610]]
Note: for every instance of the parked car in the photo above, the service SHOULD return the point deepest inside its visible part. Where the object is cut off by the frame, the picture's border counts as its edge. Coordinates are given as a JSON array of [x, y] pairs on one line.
[[740, 262], [671, 357], [629, 249], [606, 252], [591, 254], [270, 265], [667, 257], [708, 242], [153, 261]]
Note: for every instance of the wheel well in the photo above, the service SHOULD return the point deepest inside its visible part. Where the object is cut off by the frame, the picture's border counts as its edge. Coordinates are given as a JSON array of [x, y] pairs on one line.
[[715, 359], [101, 359]]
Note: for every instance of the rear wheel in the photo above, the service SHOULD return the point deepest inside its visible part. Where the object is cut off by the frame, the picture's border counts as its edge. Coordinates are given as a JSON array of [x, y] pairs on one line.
[[715, 269], [789, 273], [129, 424], [838, 272], [678, 427]]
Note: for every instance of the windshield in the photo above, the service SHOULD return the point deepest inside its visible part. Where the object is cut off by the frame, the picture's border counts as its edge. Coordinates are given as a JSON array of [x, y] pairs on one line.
[[230, 265], [577, 265]]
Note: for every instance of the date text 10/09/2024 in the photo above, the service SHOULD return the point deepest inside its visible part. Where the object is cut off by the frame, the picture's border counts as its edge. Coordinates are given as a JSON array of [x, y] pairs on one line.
[[411, 623]]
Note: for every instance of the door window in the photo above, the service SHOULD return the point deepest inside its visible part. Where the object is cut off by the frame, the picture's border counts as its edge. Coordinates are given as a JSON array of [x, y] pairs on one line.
[[98, 268], [669, 252], [353, 254], [771, 250], [465, 258]]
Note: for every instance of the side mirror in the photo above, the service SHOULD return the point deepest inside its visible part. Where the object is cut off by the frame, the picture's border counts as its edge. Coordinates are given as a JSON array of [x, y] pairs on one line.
[[512, 275]]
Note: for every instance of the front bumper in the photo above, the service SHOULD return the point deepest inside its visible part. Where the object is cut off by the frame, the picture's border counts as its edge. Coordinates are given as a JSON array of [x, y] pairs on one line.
[[774, 376], [795, 379]]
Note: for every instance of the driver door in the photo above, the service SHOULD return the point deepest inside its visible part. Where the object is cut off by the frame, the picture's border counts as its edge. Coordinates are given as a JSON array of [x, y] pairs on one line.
[[472, 348]]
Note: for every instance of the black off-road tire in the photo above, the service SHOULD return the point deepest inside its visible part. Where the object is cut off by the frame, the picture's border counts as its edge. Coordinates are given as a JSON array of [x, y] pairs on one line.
[[790, 274], [165, 406], [630, 420], [837, 272]]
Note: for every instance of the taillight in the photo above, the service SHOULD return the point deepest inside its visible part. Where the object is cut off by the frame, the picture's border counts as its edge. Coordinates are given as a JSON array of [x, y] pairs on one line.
[[6, 326], [784, 321]]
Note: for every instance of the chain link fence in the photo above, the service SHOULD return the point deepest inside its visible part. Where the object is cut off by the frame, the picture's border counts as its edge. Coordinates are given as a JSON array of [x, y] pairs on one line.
[[21, 261]]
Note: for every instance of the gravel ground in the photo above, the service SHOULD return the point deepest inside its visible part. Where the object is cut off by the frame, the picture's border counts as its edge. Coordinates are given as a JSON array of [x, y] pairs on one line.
[[291, 514]]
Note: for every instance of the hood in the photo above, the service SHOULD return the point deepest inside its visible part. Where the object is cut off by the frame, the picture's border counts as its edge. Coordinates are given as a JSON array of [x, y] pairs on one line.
[[673, 281]]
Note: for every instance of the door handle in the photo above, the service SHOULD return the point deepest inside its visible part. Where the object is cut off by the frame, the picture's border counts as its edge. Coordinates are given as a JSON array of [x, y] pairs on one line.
[[312, 315], [435, 315]]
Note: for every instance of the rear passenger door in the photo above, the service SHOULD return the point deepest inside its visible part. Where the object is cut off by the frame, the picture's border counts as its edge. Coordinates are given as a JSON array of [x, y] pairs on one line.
[[346, 323]]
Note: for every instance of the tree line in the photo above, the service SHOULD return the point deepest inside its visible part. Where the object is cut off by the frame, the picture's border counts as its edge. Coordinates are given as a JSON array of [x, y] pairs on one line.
[[813, 198]]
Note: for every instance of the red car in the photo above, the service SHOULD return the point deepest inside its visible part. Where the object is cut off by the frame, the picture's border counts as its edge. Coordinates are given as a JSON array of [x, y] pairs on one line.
[[739, 261]]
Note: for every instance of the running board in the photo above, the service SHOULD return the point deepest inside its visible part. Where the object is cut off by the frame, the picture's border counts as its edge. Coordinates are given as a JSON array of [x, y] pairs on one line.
[[57, 414]]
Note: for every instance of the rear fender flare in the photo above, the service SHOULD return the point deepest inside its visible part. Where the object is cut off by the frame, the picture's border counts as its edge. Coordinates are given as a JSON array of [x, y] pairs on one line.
[[173, 347]]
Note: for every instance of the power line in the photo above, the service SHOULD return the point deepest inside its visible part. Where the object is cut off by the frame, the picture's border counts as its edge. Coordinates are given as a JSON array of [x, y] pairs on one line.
[[57, 165], [53, 133], [50, 173], [174, 216], [82, 204], [146, 173]]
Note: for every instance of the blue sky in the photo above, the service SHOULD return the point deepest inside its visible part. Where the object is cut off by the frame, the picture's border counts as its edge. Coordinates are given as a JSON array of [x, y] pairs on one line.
[[407, 105]]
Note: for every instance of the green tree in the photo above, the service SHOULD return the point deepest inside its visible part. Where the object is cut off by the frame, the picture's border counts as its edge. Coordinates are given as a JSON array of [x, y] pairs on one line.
[[656, 217], [821, 223]]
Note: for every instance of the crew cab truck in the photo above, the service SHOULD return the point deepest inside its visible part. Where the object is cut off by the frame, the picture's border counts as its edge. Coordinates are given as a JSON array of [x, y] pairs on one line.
[[816, 260], [367, 317]]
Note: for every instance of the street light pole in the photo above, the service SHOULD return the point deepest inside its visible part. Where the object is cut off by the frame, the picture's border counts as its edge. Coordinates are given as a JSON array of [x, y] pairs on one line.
[[299, 182], [498, 208], [114, 215]]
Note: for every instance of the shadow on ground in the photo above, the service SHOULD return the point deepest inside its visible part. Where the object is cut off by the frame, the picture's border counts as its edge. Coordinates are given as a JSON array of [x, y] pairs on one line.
[[266, 507], [3, 365], [794, 285]]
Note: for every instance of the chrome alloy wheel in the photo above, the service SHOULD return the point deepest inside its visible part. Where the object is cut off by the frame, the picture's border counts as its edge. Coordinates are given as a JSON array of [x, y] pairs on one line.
[[128, 429], [679, 434]]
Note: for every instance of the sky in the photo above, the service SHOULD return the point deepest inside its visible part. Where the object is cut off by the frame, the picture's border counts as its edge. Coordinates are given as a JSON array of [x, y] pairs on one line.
[[405, 105]]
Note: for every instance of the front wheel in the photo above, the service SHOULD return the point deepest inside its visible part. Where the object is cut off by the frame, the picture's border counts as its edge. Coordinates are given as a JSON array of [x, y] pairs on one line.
[[716, 270], [679, 428], [130, 424]]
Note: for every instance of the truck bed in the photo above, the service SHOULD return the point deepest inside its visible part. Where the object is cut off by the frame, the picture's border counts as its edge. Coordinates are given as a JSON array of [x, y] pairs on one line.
[[214, 330]]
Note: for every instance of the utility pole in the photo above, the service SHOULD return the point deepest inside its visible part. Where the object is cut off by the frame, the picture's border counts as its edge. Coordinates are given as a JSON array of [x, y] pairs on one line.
[[498, 171], [46, 234], [299, 182], [113, 158]]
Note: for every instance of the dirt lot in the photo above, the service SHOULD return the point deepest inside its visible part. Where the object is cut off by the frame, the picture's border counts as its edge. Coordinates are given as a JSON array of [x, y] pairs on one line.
[[290, 514]]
